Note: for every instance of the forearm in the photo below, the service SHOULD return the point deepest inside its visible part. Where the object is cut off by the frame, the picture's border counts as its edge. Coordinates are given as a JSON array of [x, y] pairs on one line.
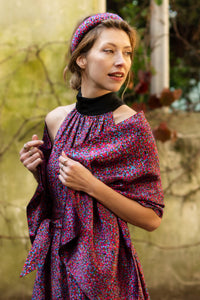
[[125, 208]]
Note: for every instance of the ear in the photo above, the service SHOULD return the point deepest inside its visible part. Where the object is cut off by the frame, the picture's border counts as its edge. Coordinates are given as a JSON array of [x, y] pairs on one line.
[[81, 61]]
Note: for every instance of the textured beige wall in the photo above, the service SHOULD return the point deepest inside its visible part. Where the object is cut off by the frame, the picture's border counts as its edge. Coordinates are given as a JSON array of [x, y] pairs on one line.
[[33, 20], [30, 86]]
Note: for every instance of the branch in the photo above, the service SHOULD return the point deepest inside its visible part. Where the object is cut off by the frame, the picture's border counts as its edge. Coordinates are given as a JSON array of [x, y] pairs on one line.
[[29, 49], [174, 180], [30, 130], [185, 42], [187, 195], [17, 133], [47, 77], [191, 159], [53, 43]]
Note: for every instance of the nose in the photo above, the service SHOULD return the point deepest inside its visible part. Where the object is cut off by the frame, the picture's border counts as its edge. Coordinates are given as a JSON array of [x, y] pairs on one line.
[[119, 59]]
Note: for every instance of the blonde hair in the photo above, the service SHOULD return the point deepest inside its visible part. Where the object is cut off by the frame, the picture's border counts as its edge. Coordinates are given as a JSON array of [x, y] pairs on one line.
[[87, 43]]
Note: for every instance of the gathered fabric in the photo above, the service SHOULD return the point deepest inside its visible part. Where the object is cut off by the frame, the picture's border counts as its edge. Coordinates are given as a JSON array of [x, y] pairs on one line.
[[82, 250]]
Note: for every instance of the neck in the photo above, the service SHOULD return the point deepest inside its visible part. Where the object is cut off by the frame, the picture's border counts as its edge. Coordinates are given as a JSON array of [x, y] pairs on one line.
[[97, 105], [93, 93]]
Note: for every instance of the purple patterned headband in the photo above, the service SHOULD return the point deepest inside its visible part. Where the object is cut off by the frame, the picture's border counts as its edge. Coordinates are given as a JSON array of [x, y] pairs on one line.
[[88, 24]]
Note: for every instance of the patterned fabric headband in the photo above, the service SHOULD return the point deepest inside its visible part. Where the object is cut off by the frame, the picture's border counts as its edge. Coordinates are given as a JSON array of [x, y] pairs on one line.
[[88, 24]]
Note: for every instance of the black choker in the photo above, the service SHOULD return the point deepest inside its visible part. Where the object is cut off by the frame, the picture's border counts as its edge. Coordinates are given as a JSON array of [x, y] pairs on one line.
[[99, 105]]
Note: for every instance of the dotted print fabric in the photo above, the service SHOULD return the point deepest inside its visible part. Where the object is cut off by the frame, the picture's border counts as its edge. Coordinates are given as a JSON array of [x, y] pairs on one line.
[[81, 250]]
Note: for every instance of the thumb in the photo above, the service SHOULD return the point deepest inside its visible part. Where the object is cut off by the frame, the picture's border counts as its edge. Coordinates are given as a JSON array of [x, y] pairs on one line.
[[35, 137], [64, 155], [66, 158]]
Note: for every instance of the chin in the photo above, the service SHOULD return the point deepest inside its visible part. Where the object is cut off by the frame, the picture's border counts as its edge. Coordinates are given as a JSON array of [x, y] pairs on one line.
[[115, 89]]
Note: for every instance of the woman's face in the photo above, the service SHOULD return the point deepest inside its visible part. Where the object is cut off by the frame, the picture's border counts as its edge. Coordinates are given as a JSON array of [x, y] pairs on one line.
[[106, 65]]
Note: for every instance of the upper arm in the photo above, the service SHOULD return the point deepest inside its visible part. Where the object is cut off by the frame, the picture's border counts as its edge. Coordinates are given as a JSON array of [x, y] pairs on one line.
[[55, 118]]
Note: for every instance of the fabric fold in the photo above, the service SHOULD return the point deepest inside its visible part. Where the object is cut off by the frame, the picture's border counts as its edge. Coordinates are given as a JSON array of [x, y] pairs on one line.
[[40, 247], [37, 255]]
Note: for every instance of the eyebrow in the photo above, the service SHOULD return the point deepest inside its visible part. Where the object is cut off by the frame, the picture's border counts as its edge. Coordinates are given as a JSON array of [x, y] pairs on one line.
[[114, 45]]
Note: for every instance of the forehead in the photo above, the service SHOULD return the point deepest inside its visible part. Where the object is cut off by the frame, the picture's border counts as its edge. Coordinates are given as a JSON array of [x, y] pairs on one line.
[[114, 36]]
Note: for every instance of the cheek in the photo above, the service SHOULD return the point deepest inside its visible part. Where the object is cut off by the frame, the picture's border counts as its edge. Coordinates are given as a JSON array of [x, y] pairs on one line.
[[97, 66]]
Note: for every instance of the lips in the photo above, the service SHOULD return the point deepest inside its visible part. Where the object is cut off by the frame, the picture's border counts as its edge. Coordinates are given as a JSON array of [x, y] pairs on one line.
[[116, 74]]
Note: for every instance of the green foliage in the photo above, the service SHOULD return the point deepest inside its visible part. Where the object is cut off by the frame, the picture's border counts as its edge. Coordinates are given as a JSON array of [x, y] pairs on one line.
[[184, 46], [158, 2], [137, 17]]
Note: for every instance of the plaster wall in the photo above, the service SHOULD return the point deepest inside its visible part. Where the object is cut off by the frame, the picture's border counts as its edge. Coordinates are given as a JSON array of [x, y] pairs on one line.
[[34, 37]]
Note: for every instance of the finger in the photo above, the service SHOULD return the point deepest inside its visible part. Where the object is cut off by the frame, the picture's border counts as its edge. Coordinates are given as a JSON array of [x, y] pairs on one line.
[[64, 170], [35, 150], [32, 166], [34, 156], [63, 154], [65, 157], [24, 149], [30, 159], [30, 156], [35, 137], [65, 181], [63, 160], [25, 155], [34, 143], [30, 144], [61, 166], [63, 174], [61, 178]]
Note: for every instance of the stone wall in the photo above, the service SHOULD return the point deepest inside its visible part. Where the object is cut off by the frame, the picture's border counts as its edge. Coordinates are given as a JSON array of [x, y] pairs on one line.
[[34, 38]]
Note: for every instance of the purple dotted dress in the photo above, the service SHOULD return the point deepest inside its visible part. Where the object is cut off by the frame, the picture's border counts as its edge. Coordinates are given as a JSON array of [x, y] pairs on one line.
[[82, 250]]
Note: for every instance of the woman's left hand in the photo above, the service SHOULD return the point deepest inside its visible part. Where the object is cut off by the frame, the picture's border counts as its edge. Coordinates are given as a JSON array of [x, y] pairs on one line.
[[74, 175]]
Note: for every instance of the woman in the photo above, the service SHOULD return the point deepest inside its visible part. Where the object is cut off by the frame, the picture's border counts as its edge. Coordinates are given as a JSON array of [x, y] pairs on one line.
[[97, 169]]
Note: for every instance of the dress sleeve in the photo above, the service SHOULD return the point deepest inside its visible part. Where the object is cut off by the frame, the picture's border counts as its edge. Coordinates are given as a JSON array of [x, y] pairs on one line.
[[144, 184], [39, 207]]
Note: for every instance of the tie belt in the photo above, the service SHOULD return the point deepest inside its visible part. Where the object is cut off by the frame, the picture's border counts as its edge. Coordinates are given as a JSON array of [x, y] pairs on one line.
[[37, 254]]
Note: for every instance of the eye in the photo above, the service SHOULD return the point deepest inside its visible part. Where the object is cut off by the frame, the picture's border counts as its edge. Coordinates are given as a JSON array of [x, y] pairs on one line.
[[108, 50], [128, 53]]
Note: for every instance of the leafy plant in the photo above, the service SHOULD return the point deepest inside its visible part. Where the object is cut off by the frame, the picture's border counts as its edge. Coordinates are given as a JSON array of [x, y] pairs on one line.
[[158, 2], [184, 57]]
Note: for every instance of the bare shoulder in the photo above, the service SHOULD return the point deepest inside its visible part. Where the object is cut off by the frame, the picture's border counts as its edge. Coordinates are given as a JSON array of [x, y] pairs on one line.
[[122, 113], [55, 118]]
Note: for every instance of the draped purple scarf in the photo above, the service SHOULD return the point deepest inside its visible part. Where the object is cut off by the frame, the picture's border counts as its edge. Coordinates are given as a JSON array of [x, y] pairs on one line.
[[95, 244]]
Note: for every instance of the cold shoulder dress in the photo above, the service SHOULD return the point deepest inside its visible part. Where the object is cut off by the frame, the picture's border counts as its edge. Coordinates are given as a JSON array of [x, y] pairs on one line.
[[82, 250]]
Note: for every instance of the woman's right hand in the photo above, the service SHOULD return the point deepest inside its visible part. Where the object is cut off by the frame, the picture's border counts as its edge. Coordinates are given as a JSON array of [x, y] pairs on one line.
[[31, 156]]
